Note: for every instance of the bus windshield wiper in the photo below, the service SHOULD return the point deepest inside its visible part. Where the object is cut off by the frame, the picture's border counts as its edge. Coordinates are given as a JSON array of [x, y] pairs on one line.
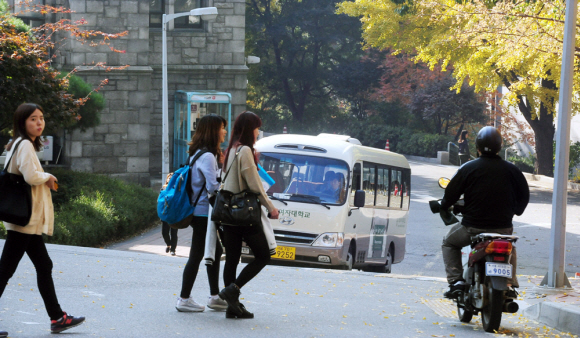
[[277, 199], [311, 198]]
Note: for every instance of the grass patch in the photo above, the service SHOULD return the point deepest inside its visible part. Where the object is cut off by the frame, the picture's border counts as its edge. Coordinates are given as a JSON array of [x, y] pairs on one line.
[[92, 210]]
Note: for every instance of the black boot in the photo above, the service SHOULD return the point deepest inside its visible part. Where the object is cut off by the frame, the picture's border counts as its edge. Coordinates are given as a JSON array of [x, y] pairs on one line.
[[231, 295], [3, 334], [245, 313]]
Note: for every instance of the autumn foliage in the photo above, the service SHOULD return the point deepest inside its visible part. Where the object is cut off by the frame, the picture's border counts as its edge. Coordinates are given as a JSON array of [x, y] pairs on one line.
[[26, 74]]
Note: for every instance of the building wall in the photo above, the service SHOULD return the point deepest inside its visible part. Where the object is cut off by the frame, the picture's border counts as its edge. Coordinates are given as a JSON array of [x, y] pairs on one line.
[[127, 143]]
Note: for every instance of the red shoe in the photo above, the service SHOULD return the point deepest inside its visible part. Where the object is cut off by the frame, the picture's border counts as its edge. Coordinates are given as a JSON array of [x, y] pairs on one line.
[[65, 323]]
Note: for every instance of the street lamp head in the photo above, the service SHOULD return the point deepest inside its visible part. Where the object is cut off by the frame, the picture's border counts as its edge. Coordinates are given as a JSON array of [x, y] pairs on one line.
[[206, 13]]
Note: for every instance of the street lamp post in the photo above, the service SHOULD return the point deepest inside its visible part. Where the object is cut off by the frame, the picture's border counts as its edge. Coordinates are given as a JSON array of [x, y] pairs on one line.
[[206, 13]]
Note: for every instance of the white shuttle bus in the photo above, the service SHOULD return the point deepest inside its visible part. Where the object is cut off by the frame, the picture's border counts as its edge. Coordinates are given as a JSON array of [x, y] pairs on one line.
[[342, 205]]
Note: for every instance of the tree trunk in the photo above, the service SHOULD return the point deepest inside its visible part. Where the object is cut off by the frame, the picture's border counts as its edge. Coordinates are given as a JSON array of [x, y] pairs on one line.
[[543, 127]]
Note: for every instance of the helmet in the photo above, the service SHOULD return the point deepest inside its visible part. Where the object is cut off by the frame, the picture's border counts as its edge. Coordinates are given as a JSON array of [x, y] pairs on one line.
[[488, 141]]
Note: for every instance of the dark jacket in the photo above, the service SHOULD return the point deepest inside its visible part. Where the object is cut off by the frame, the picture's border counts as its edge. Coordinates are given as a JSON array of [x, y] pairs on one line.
[[494, 190]]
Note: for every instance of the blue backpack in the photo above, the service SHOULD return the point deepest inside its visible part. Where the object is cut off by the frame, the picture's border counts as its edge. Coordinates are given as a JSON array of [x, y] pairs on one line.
[[174, 203]]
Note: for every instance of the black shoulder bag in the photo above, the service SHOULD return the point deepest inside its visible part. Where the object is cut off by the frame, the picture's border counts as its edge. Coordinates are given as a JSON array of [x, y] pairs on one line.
[[241, 209], [16, 197]]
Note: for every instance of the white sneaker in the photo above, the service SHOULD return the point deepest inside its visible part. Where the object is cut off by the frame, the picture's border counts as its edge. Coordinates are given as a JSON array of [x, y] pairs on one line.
[[188, 305], [216, 303]]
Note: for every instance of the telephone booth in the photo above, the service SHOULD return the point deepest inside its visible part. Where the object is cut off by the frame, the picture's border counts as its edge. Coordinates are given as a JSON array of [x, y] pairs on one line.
[[189, 108]]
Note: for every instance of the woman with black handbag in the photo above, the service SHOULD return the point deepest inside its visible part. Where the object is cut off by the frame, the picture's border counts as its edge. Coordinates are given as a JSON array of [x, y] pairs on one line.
[[242, 174], [210, 133], [22, 160]]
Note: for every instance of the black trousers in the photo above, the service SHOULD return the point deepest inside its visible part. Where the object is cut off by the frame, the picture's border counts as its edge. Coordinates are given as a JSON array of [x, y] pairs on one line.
[[33, 245], [256, 240], [196, 252], [170, 240]]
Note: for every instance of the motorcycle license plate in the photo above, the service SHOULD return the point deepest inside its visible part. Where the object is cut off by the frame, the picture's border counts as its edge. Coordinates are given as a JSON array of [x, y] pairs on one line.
[[498, 269]]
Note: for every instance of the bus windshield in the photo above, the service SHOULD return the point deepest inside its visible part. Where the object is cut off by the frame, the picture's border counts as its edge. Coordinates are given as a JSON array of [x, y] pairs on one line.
[[307, 179]]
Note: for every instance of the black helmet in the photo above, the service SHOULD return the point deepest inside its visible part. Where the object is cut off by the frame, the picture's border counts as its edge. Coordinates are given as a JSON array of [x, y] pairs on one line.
[[488, 141]]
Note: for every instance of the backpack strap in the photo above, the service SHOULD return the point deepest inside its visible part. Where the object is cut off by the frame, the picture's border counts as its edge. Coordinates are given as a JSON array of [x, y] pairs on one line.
[[190, 163]]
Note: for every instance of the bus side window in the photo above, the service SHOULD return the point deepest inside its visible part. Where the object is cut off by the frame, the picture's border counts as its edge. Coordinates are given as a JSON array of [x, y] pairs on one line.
[[355, 184], [383, 187], [406, 189], [369, 186], [395, 189]]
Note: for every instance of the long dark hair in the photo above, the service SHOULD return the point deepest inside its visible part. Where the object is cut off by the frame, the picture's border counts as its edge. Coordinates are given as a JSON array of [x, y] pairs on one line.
[[207, 135], [22, 113], [463, 136], [243, 132]]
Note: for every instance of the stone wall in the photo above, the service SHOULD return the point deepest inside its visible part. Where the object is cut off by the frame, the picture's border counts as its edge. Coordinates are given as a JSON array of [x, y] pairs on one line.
[[127, 144]]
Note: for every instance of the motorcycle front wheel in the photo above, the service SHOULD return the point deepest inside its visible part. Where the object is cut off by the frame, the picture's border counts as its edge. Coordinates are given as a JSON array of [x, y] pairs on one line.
[[491, 314]]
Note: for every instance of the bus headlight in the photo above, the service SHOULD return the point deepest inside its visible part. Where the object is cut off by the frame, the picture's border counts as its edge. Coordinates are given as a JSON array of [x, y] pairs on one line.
[[330, 240]]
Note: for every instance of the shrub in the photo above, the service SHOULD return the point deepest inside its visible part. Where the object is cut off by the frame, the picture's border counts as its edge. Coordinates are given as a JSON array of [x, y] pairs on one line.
[[525, 164], [92, 210]]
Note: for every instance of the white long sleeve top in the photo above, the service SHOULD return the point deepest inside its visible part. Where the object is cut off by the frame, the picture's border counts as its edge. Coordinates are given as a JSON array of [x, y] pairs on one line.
[[26, 163]]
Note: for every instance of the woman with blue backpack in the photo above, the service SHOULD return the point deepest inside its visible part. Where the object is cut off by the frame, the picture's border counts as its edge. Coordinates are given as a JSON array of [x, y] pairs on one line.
[[205, 153]]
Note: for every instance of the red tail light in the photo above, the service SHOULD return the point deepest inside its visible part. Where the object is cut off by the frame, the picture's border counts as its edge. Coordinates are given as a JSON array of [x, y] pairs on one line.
[[499, 247]]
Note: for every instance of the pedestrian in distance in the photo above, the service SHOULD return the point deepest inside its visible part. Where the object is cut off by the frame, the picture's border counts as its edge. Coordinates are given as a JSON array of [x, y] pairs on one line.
[[28, 127], [244, 175], [169, 234], [210, 133], [463, 147]]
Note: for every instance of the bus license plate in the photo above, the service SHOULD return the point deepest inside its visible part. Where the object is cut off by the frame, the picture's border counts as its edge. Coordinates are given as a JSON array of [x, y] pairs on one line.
[[498, 269], [285, 252]]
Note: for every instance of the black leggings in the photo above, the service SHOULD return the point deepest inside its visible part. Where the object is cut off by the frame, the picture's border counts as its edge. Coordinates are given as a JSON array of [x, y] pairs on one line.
[[170, 241], [196, 252], [14, 248], [256, 240]]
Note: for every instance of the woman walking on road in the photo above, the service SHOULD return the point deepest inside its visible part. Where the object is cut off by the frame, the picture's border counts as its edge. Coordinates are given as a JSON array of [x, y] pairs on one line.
[[169, 234], [243, 175], [210, 133], [22, 160], [463, 148]]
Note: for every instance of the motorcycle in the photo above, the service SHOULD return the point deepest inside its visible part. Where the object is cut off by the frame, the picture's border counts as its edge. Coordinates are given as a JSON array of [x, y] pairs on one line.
[[486, 274]]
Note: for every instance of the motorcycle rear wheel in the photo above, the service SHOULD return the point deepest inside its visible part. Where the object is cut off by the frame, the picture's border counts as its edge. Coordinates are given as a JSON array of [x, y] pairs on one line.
[[463, 314], [491, 314]]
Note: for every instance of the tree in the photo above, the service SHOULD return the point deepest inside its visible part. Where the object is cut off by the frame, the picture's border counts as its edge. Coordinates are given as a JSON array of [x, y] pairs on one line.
[[441, 109], [88, 112], [515, 44], [25, 71], [300, 43]]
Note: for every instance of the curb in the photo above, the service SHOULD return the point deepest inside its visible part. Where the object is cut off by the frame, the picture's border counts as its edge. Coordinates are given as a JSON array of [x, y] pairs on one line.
[[563, 317], [548, 181]]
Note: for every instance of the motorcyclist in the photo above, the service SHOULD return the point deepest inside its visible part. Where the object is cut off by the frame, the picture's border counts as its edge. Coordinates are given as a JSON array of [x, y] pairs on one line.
[[494, 190]]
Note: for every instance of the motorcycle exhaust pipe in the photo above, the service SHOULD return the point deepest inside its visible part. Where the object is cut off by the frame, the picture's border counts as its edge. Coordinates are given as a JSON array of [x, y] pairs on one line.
[[510, 307]]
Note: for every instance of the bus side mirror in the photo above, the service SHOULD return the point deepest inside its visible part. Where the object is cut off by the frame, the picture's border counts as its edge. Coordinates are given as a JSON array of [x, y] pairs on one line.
[[359, 198]]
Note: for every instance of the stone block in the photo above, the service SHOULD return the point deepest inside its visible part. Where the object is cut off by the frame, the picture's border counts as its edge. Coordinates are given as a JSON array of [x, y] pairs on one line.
[[112, 12], [207, 58], [97, 150], [126, 85], [128, 116], [144, 7], [112, 138], [128, 6], [144, 33], [241, 82], [87, 135], [239, 59], [143, 149], [138, 132], [138, 46], [236, 21], [93, 58], [181, 42], [240, 9], [145, 180], [76, 149], [224, 59], [190, 52], [138, 165], [118, 128], [125, 149], [144, 116], [102, 129], [234, 46], [78, 6], [137, 20], [198, 42], [143, 59], [127, 59], [116, 95], [190, 61], [212, 48], [139, 100], [91, 20], [108, 118], [82, 164], [105, 165], [78, 59], [144, 84], [94, 7], [239, 34], [225, 36]]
